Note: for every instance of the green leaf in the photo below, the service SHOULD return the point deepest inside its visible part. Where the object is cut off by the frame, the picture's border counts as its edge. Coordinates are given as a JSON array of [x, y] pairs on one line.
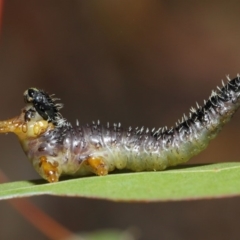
[[182, 183], [107, 234]]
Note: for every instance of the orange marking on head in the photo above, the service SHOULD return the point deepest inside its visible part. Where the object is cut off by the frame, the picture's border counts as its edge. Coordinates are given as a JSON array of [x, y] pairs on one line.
[[10, 125], [24, 129]]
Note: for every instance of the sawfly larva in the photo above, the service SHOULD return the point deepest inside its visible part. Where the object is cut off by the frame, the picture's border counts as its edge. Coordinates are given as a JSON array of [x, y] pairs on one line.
[[55, 147]]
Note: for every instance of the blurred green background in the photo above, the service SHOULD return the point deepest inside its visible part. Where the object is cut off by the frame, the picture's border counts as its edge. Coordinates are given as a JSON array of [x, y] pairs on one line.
[[140, 62]]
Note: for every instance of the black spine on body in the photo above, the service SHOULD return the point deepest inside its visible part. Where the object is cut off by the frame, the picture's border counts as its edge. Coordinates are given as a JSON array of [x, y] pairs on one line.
[[221, 105]]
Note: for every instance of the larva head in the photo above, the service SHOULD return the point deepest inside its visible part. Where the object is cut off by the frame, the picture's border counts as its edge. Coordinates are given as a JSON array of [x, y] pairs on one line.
[[34, 119], [44, 104]]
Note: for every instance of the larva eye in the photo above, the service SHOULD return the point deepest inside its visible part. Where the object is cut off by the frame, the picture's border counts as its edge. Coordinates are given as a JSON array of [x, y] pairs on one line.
[[30, 95]]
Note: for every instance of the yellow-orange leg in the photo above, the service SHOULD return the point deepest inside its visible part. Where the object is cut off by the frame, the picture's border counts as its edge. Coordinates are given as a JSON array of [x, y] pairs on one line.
[[50, 170], [97, 165]]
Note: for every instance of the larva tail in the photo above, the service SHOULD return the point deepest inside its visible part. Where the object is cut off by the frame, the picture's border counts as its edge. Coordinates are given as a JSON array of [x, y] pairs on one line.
[[193, 133]]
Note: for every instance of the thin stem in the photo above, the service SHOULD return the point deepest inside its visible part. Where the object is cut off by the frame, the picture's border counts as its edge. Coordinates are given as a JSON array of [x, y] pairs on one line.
[[43, 222], [1, 14]]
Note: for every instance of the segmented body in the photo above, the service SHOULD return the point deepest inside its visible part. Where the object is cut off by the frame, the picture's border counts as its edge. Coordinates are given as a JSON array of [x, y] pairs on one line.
[[58, 148]]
